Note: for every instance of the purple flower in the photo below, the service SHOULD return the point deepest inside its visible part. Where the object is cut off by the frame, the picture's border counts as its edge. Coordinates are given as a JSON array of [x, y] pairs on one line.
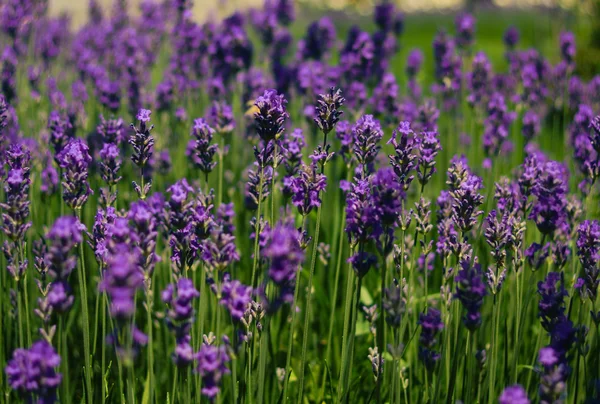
[[236, 297], [285, 256], [144, 223], [270, 115], [428, 146], [362, 262], [465, 30], [431, 325], [403, 160], [16, 190], [328, 110], [470, 291], [306, 188], [361, 215], [111, 130], [367, 134], [413, 63], [466, 203], [220, 116], [319, 39], [549, 211], [141, 140], [212, 366], [588, 251], [496, 125], [551, 305], [74, 160], [553, 376], [122, 279], [511, 37], [514, 394], [479, 80], [567, 46], [385, 98], [388, 18], [180, 317], [63, 237], [203, 150], [60, 131], [110, 163], [32, 372], [179, 226]]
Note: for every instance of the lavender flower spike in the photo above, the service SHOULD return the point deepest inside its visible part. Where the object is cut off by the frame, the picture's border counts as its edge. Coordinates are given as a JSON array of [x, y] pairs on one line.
[[270, 115], [31, 372], [74, 160], [328, 110]]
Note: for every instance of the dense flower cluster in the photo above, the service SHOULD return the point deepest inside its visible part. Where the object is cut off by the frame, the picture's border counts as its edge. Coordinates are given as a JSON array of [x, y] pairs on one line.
[[314, 170]]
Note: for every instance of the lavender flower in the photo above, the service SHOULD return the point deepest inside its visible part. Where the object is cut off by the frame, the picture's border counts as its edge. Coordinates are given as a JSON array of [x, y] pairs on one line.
[[553, 377], [220, 117], [549, 211], [141, 140], [110, 164], [31, 372], [567, 46], [121, 281], [180, 317], [514, 394], [270, 115], [588, 250], [203, 151], [551, 306], [511, 37], [74, 160], [285, 256], [212, 366], [531, 125], [465, 30], [16, 189], [328, 110], [306, 187], [470, 291], [428, 146], [366, 134], [431, 325], [180, 228], [403, 161], [236, 297]]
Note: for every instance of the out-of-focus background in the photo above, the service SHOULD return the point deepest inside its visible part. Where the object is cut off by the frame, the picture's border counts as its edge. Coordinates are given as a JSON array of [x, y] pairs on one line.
[[208, 8], [539, 21]]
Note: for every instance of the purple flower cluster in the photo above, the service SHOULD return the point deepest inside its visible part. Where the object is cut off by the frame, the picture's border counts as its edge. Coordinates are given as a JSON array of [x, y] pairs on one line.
[[74, 160], [16, 190], [470, 291], [32, 372], [180, 317], [431, 325]]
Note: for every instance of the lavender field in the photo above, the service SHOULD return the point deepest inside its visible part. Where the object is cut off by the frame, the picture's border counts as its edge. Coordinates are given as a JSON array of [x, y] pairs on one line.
[[289, 205]]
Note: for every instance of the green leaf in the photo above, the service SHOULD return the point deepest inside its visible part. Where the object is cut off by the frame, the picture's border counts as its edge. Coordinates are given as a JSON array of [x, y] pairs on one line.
[[146, 395], [365, 296]]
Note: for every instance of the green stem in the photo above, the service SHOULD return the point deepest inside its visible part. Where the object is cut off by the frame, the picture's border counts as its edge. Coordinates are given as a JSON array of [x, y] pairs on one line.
[[338, 266], [347, 355], [150, 349], [86, 321], [256, 228], [308, 304]]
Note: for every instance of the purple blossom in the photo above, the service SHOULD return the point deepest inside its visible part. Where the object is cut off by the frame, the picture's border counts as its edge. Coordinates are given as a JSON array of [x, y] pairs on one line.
[[465, 30], [110, 163], [306, 188], [514, 394], [431, 325], [470, 291], [367, 134], [212, 366], [141, 140], [548, 211], [403, 160], [588, 251], [122, 279], [74, 161], [180, 317], [33, 372], [16, 191], [285, 256], [319, 39], [428, 146], [270, 115], [567, 46], [203, 150], [328, 110], [236, 297]]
